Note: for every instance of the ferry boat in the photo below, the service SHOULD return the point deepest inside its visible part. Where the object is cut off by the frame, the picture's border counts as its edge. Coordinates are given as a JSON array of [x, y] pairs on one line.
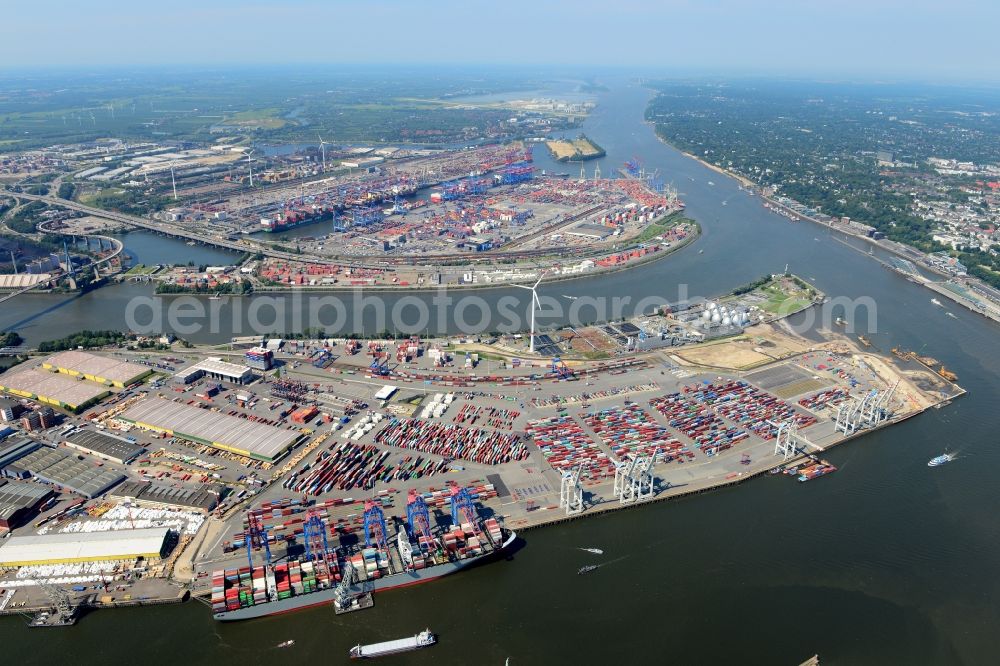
[[424, 639], [937, 461], [936, 302], [271, 589], [587, 569]]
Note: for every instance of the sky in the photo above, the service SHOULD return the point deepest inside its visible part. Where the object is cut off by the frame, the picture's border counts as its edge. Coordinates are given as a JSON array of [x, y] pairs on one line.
[[913, 39]]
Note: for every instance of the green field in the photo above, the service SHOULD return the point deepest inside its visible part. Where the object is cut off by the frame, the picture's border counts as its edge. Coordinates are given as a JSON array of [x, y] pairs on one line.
[[780, 301]]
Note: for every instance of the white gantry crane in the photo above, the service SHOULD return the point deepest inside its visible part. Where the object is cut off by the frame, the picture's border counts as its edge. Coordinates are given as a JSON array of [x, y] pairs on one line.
[[788, 442], [634, 478], [868, 412], [570, 491]]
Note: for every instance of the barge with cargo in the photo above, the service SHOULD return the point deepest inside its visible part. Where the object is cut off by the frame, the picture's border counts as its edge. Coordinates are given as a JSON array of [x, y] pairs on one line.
[[331, 576]]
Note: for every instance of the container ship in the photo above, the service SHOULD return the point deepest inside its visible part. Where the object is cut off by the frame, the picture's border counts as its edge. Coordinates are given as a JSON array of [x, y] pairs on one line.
[[327, 576], [292, 218]]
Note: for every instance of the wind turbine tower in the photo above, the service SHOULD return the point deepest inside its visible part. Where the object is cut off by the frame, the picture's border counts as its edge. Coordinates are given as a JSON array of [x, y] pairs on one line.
[[534, 303], [250, 166], [322, 150], [173, 181]]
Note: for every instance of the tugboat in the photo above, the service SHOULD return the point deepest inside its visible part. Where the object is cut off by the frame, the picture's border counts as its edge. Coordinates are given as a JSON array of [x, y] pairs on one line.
[[865, 341], [587, 569]]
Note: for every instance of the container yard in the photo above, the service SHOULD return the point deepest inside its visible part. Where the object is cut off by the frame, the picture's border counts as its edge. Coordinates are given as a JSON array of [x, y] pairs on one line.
[[357, 428]]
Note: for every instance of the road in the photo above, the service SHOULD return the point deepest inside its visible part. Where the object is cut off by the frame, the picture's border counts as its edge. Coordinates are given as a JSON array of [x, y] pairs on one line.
[[118, 246]]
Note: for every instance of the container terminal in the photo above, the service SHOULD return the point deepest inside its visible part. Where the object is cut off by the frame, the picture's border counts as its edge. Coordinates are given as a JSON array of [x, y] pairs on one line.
[[406, 460]]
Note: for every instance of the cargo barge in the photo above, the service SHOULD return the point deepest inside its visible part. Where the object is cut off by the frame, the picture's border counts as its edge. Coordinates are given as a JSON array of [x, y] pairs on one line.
[[382, 563], [424, 639]]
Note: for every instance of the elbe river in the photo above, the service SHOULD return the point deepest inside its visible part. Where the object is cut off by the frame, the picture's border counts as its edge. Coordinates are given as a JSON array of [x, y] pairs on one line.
[[885, 562]]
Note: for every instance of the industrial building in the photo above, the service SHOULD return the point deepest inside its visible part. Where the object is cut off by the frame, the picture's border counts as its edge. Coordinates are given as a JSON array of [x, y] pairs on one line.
[[100, 369], [215, 368], [70, 473], [260, 358], [11, 452], [9, 410], [116, 546], [104, 446], [590, 231], [156, 496], [20, 281], [19, 501], [53, 389], [203, 426]]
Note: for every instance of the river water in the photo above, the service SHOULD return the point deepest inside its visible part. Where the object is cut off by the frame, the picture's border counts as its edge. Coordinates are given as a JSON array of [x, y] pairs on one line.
[[885, 562]]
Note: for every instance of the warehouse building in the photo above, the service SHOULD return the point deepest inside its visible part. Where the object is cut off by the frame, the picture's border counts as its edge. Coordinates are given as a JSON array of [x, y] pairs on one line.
[[52, 389], [117, 546], [202, 498], [68, 472], [11, 453], [221, 431], [100, 369], [104, 446], [20, 501], [215, 368]]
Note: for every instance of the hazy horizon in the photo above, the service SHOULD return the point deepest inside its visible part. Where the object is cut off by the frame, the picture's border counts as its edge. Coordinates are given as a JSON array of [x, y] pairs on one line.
[[916, 40]]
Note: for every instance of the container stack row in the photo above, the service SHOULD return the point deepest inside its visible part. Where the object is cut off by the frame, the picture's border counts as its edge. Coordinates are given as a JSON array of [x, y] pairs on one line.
[[631, 430], [751, 407], [565, 446], [453, 441], [697, 421]]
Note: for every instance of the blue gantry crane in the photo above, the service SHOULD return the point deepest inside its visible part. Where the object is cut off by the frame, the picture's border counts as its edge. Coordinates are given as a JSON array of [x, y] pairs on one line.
[[417, 515], [376, 534], [462, 508], [255, 537]]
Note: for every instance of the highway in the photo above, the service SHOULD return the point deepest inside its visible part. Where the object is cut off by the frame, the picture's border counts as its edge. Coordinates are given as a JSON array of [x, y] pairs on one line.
[[118, 246]]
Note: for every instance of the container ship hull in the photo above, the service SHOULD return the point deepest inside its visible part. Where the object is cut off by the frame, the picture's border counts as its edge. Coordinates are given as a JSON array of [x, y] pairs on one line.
[[326, 596]]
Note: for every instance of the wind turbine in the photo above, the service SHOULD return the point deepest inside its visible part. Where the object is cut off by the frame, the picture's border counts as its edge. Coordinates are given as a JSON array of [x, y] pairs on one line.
[[322, 148], [250, 166], [173, 181], [534, 303]]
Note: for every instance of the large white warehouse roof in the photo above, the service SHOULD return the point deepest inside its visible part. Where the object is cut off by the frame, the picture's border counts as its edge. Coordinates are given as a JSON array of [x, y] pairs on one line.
[[83, 547]]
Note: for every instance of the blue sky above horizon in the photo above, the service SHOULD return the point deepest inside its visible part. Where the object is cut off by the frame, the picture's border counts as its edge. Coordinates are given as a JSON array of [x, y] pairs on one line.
[[914, 39]]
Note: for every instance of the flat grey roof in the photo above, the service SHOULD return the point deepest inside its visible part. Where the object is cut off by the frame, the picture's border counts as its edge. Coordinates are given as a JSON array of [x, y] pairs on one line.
[[104, 444], [200, 497], [67, 471], [213, 428]]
